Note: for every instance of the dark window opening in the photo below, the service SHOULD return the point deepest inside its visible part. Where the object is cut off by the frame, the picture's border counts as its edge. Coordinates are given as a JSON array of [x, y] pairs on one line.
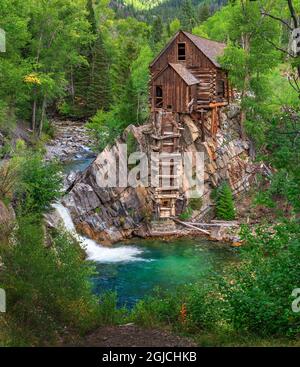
[[181, 51], [221, 88], [158, 97], [169, 107]]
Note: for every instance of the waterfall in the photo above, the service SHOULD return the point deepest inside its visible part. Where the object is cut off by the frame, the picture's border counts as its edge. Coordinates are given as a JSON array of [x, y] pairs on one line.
[[95, 251]]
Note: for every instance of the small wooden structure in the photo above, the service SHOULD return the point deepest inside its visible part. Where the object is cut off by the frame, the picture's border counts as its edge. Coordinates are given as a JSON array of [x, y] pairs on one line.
[[186, 78]]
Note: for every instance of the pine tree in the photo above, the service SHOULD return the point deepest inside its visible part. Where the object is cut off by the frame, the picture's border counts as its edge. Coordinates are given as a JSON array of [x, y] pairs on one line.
[[203, 12], [157, 30], [188, 18], [98, 94], [225, 204], [92, 82]]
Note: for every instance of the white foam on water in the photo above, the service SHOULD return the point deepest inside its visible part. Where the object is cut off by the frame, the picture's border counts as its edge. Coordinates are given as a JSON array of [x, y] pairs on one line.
[[95, 251]]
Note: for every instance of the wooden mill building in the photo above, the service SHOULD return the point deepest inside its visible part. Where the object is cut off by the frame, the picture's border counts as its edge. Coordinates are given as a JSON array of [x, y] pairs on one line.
[[186, 78]]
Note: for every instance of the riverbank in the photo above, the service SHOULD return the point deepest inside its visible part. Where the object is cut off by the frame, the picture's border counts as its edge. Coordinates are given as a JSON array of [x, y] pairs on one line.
[[71, 141]]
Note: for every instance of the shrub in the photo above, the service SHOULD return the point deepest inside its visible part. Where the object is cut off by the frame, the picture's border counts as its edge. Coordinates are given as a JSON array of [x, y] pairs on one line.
[[186, 214], [196, 203], [259, 291], [39, 183], [47, 288]]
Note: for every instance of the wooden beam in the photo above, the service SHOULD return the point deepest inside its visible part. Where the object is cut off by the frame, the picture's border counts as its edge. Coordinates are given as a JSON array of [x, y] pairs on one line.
[[191, 226], [218, 104]]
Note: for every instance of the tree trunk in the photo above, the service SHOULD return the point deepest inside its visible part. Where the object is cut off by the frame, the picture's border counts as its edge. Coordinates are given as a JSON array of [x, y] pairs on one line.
[[42, 117], [246, 82], [34, 106]]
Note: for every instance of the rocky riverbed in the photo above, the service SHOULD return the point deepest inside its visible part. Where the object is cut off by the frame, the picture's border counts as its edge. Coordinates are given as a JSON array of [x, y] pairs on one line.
[[72, 141]]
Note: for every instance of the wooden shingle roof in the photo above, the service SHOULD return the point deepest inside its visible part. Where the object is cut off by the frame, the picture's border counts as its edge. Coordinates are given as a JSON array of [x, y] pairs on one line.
[[185, 74], [211, 49]]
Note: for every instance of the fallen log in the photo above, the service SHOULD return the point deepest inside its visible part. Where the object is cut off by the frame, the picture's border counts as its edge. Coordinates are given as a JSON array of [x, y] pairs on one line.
[[213, 224], [192, 226], [217, 221]]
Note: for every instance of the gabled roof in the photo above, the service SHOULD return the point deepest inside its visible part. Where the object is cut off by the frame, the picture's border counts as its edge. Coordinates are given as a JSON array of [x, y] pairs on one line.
[[182, 71], [211, 49], [185, 74]]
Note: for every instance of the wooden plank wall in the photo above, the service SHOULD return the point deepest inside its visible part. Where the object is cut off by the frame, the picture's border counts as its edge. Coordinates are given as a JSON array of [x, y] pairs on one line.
[[194, 57], [175, 91]]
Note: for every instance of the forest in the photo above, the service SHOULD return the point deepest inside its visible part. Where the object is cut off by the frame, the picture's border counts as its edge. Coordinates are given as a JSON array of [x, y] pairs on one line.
[[88, 61]]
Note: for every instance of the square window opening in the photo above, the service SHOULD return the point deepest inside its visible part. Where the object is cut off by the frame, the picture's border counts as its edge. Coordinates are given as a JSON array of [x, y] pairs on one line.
[[158, 97], [181, 52]]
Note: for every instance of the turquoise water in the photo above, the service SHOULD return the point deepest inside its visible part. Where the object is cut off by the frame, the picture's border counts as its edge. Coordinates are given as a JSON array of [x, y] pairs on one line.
[[136, 268], [163, 264]]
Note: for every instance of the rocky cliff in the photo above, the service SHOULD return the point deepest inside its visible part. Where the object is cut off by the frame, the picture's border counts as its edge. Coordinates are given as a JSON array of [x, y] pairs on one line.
[[112, 214]]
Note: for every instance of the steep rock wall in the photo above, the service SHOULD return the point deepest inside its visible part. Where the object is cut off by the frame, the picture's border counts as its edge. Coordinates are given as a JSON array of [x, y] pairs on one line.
[[112, 214]]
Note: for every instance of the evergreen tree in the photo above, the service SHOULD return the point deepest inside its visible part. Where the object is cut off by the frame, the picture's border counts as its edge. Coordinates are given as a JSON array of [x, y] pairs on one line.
[[92, 82], [157, 30], [98, 94], [203, 12], [188, 17], [225, 204]]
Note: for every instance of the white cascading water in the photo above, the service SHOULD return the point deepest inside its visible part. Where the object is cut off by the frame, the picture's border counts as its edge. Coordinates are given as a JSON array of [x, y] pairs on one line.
[[95, 251]]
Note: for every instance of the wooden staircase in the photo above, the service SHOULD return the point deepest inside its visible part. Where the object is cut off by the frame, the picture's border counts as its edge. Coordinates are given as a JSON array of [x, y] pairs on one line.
[[166, 142]]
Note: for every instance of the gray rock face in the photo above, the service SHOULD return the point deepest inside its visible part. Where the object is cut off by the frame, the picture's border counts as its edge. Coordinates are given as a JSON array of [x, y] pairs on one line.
[[112, 214], [107, 214]]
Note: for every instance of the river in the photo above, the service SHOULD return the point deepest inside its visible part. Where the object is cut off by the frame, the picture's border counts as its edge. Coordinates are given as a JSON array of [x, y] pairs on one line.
[[136, 268]]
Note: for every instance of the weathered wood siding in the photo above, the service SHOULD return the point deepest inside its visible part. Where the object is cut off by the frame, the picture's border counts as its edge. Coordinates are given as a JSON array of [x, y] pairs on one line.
[[194, 57], [175, 91]]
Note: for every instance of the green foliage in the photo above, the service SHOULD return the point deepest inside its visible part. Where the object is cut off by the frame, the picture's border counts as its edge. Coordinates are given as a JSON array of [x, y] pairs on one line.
[[156, 310], [175, 26], [259, 293], [109, 313], [105, 127], [195, 203], [186, 214], [47, 288], [39, 183], [252, 298], [224, 203], [188, 16]]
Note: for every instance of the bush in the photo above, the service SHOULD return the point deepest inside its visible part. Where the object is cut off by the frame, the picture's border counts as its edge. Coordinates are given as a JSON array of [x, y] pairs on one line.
[[196, 203], [157, 310], [109, 313], [105, 127], [48, 289], [39, 183], [186, 214], [259, 291]]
